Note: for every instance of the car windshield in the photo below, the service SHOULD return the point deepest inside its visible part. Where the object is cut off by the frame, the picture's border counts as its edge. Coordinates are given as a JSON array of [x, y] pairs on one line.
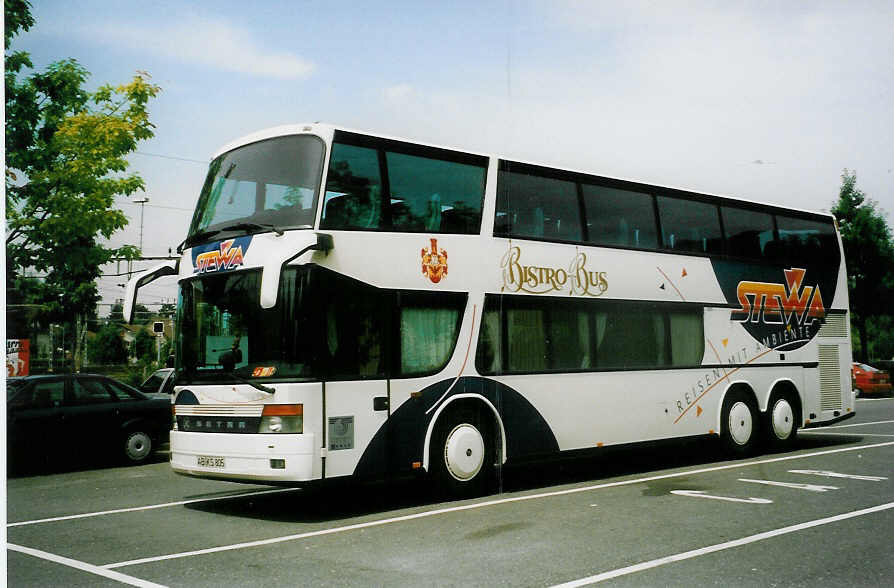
[[224, 334], [13, 385], [259, 187], [154, 381]]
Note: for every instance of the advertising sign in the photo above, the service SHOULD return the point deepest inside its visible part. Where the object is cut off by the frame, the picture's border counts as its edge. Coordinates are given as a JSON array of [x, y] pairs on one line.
[[18, 353]]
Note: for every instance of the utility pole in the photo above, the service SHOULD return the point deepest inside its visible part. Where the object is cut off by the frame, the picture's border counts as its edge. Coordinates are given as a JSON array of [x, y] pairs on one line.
[[142, 200]]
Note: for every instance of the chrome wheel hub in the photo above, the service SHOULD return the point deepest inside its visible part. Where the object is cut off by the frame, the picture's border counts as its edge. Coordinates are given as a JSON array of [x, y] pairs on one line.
[[464, 452], [783, 419], [741, 423]]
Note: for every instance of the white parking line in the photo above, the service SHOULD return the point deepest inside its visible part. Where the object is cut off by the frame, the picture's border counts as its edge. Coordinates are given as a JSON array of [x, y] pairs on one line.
[[646, 565], [847, 434], [149, 507], [84, 567], [855, 425], [485, 504]]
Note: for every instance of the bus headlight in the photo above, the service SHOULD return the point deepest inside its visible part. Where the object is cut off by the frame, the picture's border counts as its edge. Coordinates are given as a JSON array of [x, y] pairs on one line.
[[282, 418]]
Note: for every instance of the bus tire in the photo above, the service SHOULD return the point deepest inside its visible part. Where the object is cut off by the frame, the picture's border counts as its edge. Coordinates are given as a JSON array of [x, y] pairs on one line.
[[739, 423], [463, 453], [781, 422]]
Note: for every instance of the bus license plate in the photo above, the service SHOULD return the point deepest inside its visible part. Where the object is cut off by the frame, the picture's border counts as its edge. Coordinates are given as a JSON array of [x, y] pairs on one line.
[[210, 461]]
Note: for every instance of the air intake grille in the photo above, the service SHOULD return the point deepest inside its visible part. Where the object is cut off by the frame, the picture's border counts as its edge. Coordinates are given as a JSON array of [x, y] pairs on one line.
[[830, 377], [835, 326]]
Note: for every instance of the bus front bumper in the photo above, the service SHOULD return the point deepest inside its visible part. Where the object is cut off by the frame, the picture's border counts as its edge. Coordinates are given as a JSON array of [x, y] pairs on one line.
[[245, 457]]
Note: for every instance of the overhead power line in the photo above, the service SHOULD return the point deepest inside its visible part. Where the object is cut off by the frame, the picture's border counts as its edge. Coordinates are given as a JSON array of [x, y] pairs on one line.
[[205, 162]]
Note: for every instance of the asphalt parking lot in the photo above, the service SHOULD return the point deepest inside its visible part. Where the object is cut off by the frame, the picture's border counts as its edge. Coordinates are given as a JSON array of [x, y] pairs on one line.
[[681, 515]]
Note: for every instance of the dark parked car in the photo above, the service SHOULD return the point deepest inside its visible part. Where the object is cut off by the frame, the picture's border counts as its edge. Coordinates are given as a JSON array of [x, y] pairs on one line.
[[57, 417], [160, 381]]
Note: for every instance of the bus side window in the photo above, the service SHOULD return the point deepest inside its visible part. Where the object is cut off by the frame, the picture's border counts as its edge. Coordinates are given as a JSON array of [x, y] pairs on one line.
[[805, 242], [529, 205], [619, 217], [353, 189], [434, 195], [690, 225], [747, 231], [354, 328], [428, 327]]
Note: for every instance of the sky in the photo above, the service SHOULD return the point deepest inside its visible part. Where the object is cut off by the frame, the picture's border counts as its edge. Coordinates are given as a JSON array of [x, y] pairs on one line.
[[767, 101]]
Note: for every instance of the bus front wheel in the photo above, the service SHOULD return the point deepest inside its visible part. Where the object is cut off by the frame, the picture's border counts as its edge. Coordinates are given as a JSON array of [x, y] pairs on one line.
[[463, 454], [739, 423]]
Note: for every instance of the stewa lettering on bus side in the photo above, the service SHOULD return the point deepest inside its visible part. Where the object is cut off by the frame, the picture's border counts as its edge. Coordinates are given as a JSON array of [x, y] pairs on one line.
[[577, 280], [713, 375]]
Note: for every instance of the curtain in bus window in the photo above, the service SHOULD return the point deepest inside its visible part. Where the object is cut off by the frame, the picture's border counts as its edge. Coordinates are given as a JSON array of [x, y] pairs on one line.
[[687, 337], [538, 207], [689, 225], [353, 197], [634, 337], [434, 195], [564, 338], [583, 342], [527, 340], [427, 337], [488, 358], [619, 217], [355, 327]]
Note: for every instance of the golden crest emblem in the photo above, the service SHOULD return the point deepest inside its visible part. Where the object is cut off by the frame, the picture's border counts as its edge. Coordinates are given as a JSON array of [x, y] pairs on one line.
[[434, 262]]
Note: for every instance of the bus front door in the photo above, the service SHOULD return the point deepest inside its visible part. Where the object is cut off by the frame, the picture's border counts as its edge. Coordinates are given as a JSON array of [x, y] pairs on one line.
[[355, 411]]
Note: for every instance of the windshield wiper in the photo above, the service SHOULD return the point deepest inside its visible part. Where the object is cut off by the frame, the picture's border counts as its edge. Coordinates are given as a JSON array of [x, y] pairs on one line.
[[249, 226], [195, 238], [255, 385]]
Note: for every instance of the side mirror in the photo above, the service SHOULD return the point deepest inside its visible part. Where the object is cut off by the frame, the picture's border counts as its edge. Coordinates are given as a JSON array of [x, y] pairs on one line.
[[170, 268]]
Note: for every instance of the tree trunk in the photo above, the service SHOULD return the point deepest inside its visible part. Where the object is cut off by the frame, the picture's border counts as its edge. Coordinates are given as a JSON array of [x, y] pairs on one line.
[[864, 339], [80, 338]]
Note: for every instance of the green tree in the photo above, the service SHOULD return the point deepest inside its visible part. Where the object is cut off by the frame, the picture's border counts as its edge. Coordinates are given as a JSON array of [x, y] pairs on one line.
[[869, 254], [66, 151], [141, 314], [144, 346], [108, 346]]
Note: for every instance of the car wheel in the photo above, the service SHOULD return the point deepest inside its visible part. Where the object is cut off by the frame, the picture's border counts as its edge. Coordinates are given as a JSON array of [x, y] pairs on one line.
[[137, 446], [739, 423], [781, 423], [857, 393], [463, 454]]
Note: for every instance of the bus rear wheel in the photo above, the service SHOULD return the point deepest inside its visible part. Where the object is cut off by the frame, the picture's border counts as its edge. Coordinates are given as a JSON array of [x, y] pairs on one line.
[[781, 423], [739, 423], [463, 454]]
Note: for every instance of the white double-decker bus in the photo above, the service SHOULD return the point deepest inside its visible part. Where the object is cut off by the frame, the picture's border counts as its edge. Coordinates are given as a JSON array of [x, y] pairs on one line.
[[352, 304]]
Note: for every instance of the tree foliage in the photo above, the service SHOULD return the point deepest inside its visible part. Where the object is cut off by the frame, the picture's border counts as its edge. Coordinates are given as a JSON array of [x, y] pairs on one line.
[[108, 346], [66, 150], [869, 254]]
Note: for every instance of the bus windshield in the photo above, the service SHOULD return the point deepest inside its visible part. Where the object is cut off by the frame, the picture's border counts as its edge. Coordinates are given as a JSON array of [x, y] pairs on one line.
[[264, 185], [223, 331]]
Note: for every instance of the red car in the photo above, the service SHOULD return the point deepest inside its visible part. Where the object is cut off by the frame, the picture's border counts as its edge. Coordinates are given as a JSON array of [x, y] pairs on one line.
[[868, 380]]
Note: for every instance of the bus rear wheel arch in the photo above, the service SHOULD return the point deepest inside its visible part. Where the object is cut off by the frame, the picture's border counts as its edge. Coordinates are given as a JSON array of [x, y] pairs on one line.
[[740, 422], [464, 451]]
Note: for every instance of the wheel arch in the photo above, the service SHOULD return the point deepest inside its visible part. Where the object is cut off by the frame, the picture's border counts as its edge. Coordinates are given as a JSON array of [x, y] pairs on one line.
[[738, 385], [453, 401], [785, 387]]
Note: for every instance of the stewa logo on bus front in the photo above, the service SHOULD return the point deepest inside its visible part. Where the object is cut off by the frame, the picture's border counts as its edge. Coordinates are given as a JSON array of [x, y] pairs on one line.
[[781, 316], [220, 257], [577, 280]]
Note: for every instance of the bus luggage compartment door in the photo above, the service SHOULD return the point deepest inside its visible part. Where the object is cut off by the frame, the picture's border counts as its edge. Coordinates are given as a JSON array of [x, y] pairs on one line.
[[355, 411]]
